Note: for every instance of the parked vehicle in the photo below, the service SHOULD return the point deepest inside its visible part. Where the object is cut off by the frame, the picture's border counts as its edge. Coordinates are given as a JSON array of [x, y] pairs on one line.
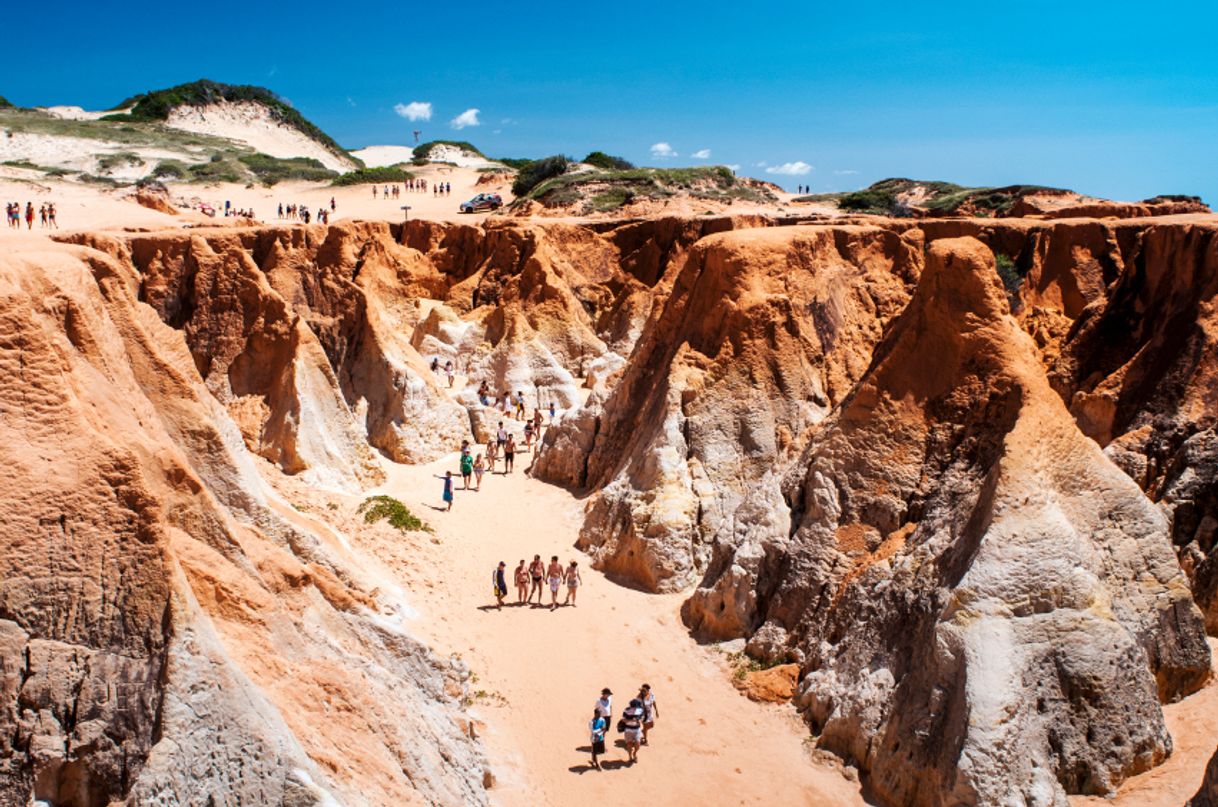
[[483, 201]]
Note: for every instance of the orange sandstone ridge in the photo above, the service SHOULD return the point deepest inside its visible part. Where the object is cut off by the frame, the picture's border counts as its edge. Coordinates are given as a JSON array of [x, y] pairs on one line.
[[960, 473]]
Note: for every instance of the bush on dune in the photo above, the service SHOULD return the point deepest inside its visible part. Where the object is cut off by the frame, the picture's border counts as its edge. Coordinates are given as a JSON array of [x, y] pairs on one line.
[[608, 162], [271, 170], [538, 171], [422, 152]]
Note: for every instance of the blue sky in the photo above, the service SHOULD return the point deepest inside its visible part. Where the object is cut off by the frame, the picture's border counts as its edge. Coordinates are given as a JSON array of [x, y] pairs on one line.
[[1115, 99]]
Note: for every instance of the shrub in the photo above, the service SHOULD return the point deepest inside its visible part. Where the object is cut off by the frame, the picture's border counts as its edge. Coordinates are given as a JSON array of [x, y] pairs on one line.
[[1011, 276], [361, 176], [170, 169], [378, 508], [538, 172], [515, 162], [271, 170], [109, 162], [5, 103], [869, 201], [607, 161]]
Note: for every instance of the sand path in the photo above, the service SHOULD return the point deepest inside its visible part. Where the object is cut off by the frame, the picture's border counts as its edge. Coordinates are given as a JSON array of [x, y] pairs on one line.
[[541, 670]]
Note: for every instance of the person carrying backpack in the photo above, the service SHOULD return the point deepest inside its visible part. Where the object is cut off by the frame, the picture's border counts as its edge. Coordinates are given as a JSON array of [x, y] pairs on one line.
[[631, 726]]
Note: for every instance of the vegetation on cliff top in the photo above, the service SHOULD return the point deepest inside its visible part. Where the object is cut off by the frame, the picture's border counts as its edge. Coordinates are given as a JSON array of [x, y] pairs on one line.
[[388, 173], [901, 197], [5, 103], [156, 105], [603, 191]]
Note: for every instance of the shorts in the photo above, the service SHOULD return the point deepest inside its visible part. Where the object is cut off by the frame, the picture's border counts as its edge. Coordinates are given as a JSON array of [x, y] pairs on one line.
[[509, 455], [634, 736], [598, 746], [554, 581], [537, 581]]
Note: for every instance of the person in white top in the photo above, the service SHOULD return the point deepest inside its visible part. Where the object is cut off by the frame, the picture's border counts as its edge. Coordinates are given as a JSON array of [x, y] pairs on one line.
[[604, 706], [650, 710]]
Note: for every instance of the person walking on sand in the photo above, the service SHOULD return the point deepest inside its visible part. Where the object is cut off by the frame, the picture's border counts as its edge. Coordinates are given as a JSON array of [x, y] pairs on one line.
[[501, 435], [373, 191], [509, 454], [519, 404], [554, 576], [500, 584], [604, 706], [492, 454], [598, 727], [537, 571], [573, 580], [650, 710], [632, 728], [333, 205], [528, 435], [479, 469], [51, 213], [448, 490], [29, 215], [448, 371], [522, 583], [467, 469]]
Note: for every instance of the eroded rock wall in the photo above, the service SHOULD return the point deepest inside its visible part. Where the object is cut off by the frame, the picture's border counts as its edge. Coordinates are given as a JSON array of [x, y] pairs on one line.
[[167, 635]]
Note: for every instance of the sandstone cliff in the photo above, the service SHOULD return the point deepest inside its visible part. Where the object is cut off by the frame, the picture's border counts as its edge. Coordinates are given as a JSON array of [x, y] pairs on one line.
[[167, 634]]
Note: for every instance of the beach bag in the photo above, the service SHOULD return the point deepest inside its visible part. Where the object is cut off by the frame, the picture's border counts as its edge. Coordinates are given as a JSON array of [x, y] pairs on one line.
[[621, 725]]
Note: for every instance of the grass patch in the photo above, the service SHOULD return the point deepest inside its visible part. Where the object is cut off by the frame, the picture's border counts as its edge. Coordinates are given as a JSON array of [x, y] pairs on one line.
[[5, 103], [108, 162], [743, 664], [362, 176], [378, 508], [94, 179], [612, 199], [271, 170], [483, 696], [219, 170], [422, 152], [20, 164]]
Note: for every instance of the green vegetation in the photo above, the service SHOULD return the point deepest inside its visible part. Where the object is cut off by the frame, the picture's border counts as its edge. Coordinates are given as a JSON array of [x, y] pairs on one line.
[[20, 164], [608, 162], [533, 174], [422, 152], [219, 169], [109, 162], [936, 198], [743, 664], [391, 173], [157, 104], [270, 170], [514, 162], [1012, 277], [5, 103], [605, 191], [377, 508], [171, 169]]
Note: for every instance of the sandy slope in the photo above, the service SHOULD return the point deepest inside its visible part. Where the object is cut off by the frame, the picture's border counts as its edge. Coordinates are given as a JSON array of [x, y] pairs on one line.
[[541, 670], [250, 123]]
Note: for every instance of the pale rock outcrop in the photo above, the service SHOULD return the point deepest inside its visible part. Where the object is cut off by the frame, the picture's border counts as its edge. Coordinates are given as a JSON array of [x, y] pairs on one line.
[[973, 628]]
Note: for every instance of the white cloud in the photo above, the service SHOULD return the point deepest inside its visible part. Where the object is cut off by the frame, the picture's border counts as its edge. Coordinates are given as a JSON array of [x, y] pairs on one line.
[[701, 154], [795, 169], [846, 173], [415, 110], [734, 166], [467, 118], [761, 164], [662, 150]]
